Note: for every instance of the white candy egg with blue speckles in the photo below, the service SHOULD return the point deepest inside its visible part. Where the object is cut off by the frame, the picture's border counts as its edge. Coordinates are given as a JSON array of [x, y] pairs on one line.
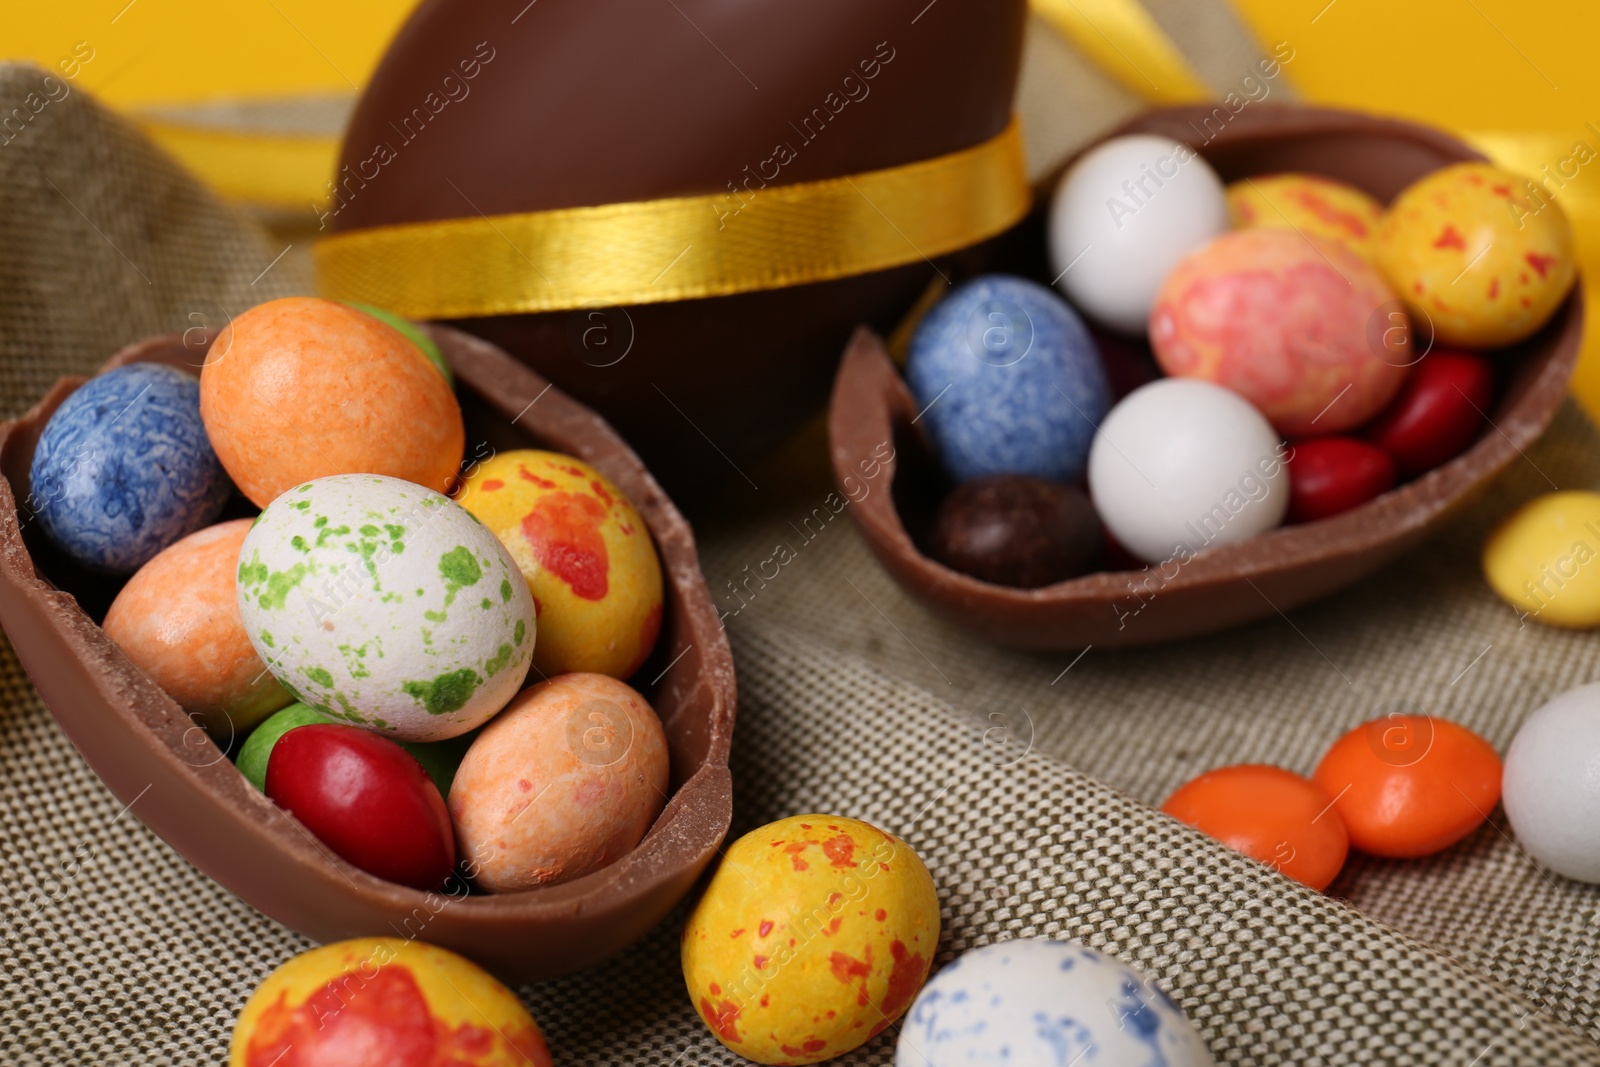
[[386, 604], [1039, 1003]]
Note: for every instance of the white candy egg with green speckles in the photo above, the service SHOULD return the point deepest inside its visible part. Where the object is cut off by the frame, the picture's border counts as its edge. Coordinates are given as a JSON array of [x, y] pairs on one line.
[[386, 604]]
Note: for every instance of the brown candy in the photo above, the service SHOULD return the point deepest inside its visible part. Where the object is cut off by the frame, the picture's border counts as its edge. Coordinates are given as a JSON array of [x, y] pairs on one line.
[[1010, 529]]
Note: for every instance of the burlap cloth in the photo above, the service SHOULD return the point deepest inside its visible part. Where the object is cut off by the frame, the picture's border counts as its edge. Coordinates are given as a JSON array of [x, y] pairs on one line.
[[1025, 781]]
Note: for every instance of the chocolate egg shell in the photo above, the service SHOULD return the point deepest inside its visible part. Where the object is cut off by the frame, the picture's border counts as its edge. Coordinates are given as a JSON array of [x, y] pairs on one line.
[[610, 101], [135, 736], [1230, 584], [1013, 530]]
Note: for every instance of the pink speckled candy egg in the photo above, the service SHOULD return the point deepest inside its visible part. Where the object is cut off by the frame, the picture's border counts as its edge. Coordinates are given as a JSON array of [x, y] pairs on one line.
[[567, 779], [1301, 327], [178, 620], [1309, 203], [1480, 251]]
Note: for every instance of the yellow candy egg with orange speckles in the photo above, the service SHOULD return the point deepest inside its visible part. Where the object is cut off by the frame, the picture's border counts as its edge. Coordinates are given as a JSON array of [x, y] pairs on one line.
[[815, 934], [1482, 253], [586, 553], [1310, 204], [384, 1000]]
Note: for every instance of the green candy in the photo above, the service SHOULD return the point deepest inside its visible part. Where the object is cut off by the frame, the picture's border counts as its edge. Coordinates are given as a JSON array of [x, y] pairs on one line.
[[414, 335], [253, 754], [439, 758]]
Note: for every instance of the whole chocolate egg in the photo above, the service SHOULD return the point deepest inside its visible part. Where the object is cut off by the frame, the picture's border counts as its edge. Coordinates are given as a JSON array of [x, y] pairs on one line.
[[484, 111]]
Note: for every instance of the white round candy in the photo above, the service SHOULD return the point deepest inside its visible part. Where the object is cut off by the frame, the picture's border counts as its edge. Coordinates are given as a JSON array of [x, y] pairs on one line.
[[1037, 1003], [1551, 786], [386, 604], [1182, 465], [1123, 216]]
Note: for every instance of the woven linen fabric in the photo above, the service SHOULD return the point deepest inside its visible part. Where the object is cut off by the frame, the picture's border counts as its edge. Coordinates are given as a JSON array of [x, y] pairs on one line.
[[115, 951]]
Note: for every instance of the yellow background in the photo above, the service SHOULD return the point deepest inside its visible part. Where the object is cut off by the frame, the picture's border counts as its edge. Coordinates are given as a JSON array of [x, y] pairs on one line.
[[177, 51], [1489, 68], [1460, 63]]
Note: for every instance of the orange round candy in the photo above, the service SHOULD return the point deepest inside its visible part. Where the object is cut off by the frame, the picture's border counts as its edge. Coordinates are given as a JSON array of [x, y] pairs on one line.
[[302, 388], [178, 620], [1271, 815], [1410, 785]]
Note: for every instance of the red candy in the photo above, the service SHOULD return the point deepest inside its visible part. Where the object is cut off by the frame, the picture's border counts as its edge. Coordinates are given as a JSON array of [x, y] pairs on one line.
[[367, 799], [1438, 412], [1328, 475]]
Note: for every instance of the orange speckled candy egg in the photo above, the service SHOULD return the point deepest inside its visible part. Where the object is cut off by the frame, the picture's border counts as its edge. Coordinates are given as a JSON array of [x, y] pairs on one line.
[[1309, 203], [301, 388], [178, 620], [1482, 252], [384, 1002], [586, 553], [567, 779], [1296, 325], [814, 935]]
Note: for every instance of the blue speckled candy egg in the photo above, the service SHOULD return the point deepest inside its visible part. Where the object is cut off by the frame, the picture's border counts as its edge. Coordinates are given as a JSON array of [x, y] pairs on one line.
[[1009, 380], [1040, 1003], [124, 468]]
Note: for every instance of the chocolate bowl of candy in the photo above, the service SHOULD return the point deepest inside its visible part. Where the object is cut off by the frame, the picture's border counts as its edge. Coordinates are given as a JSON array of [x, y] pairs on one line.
[[1255, 415], [172, 766]]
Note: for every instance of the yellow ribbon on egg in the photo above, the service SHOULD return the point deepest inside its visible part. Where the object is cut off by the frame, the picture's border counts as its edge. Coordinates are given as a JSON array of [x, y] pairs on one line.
[[682, 248]]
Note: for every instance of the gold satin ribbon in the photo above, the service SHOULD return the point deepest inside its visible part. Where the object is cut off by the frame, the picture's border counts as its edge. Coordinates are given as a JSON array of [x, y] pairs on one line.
[[1126, 43], [682, 248], [280, 171]]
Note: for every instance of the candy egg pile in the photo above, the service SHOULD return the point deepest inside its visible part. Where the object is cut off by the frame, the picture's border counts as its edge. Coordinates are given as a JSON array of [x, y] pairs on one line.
[[1402, 785], [361, 645], [1303, 349]]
